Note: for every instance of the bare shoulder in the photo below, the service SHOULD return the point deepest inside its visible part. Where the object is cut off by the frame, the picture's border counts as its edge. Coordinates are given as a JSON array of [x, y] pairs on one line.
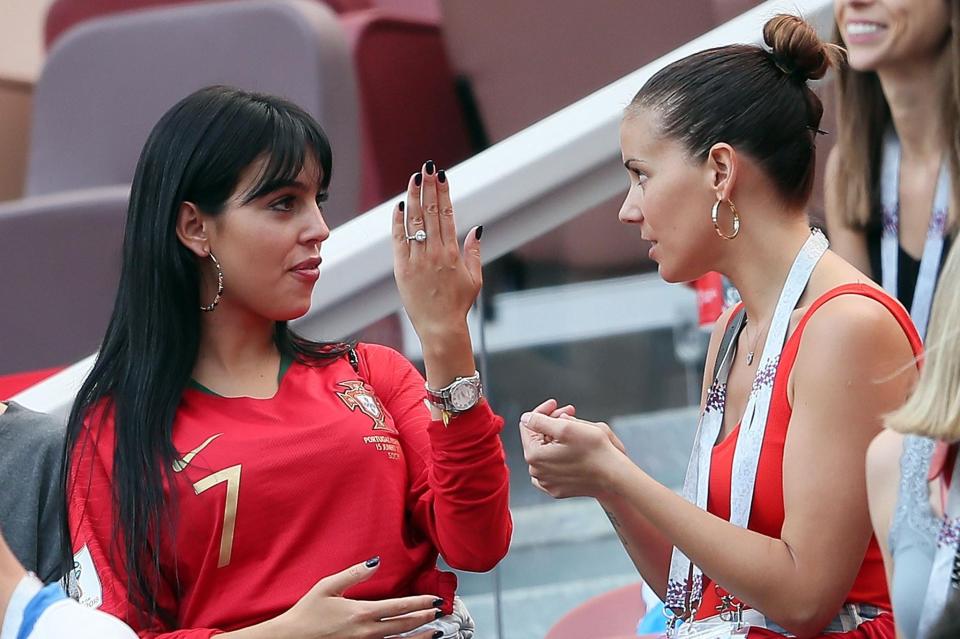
[[883, 483], [855, 330], [883, 457]]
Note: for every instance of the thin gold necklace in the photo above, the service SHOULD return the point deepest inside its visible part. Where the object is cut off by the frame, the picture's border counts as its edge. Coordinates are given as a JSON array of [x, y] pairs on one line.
[[753, 347]]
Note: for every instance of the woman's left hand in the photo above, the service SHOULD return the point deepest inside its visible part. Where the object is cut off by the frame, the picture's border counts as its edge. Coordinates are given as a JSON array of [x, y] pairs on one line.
[[437, 283], [569, 457]]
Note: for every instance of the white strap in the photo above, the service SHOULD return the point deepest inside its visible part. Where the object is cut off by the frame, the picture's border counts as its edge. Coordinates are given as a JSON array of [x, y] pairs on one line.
[[890, 237], [940, 584], [685, 584]]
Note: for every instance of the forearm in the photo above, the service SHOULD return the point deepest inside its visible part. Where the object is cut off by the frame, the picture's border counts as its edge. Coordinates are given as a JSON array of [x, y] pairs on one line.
[[469, 490], [269, 629], [761, 571], [447, 354], [647, 547]]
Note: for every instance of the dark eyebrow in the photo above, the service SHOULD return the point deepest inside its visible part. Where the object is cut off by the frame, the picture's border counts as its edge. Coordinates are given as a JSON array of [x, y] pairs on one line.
[[626, 163], [274, 185]]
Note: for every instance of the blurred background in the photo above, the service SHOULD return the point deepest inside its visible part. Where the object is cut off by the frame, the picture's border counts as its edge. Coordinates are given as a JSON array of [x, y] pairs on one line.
[[571, 307]]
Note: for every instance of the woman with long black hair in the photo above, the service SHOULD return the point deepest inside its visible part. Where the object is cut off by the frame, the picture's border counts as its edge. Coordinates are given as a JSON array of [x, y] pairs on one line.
[[226, 475]]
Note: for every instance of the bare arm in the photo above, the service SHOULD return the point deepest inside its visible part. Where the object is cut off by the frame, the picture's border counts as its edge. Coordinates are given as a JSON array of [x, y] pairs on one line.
[[647, 546], [843, 383], [848, 243], [883, 485]]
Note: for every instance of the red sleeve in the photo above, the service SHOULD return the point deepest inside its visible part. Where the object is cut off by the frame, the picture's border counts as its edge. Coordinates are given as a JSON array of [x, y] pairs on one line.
[[459, 485], [98, 568]]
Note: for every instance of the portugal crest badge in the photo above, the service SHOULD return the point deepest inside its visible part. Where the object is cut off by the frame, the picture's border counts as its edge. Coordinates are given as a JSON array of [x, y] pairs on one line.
[[358, 396]]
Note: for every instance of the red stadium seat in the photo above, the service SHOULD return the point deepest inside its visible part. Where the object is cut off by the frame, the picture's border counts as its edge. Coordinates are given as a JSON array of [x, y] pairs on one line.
[[612, 615], [10, 385]]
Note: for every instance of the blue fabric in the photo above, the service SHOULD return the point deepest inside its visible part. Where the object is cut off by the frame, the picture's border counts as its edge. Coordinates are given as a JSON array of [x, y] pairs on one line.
[[654, 622], [37, 606]]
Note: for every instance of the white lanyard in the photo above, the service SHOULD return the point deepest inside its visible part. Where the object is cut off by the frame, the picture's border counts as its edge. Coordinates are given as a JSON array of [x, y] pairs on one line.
[[940, 584], [685, 585], [890, 238]]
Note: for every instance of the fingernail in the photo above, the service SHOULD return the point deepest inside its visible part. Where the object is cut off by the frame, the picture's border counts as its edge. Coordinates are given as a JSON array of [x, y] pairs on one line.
[[438, 634], [402, 205], [418, 179], [430, 167], [525, 419], [438, 603], [478, 232], [373, 562], [437, 616], [442, 175]]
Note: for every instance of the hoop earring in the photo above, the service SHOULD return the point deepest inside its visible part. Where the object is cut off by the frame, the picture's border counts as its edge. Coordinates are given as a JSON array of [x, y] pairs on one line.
[[715, 214], [216, 300]]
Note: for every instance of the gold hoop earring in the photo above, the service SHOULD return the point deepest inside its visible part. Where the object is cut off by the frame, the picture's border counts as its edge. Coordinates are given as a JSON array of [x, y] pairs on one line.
[[715, 214], [216, 300]]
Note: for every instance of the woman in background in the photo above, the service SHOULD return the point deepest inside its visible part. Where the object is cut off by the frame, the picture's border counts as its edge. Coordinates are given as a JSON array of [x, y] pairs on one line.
[[893, 177]]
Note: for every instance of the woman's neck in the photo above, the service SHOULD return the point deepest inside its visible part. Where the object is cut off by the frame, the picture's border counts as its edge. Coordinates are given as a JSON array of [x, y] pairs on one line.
[[235, 346], [759, 266], [916, 106]]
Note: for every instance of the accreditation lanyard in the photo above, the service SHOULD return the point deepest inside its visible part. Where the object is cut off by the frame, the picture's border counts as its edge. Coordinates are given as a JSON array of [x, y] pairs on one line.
[[685, 585], [890, 238]]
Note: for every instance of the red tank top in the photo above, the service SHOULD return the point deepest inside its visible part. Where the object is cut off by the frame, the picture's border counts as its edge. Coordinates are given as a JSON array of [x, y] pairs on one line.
[[767, 513]]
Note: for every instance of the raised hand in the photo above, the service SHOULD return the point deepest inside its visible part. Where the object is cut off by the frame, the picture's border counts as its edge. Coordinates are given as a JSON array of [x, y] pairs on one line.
[[437, 282], [324, 613]]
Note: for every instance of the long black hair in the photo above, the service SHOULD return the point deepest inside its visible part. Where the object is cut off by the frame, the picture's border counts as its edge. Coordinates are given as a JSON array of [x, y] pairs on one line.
[[197, 153]]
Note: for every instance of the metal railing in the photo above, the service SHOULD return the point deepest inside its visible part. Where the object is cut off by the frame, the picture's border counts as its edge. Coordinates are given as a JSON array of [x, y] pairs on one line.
[[519, 189]]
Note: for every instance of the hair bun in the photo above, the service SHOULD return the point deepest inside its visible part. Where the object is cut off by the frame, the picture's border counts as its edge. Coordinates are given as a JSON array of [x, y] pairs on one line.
[[797, 49]]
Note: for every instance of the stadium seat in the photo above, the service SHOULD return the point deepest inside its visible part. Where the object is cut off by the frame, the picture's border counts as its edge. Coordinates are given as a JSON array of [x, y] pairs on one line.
[[408, 109], [612, 615], [108, 81], [59, 267]]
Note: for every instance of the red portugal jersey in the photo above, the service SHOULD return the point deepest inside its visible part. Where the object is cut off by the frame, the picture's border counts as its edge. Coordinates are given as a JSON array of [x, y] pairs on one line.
[[274, 494]]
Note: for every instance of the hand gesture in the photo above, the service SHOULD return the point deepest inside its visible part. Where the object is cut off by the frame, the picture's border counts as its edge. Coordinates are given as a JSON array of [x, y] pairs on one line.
[[437, 283], [567, 456], [323, 613]]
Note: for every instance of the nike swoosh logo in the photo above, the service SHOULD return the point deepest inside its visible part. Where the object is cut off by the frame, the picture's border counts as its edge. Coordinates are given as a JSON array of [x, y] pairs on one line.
[[180, 464]]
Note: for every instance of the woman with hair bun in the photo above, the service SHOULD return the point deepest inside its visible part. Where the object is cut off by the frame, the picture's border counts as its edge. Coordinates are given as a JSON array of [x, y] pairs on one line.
[[771, 535]]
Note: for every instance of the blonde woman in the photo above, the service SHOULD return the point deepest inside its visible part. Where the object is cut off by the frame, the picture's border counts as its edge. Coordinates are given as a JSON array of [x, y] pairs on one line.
[[912, 476], [893, 178]]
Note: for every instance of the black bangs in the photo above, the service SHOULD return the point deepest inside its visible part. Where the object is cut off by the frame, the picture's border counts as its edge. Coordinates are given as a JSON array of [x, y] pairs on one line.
[[286, 136]]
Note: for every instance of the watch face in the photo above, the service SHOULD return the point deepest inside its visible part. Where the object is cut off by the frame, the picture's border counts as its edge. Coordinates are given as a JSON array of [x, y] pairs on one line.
[[463, 396]]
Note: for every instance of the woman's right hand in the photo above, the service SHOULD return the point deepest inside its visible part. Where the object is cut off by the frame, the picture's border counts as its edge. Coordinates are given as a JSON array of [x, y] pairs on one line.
[[324, 613]]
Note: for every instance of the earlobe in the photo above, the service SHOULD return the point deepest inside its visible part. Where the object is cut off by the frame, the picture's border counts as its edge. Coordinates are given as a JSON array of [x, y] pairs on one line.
[[191, 229]]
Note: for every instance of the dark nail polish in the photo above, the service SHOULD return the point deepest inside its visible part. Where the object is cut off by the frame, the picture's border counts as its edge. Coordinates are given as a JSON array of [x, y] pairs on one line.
[[479, 231], [401, 206], [438, 603], [418, 179], [438, 634], [442, 175], [373, 562], [430, 167], [438, 615]]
